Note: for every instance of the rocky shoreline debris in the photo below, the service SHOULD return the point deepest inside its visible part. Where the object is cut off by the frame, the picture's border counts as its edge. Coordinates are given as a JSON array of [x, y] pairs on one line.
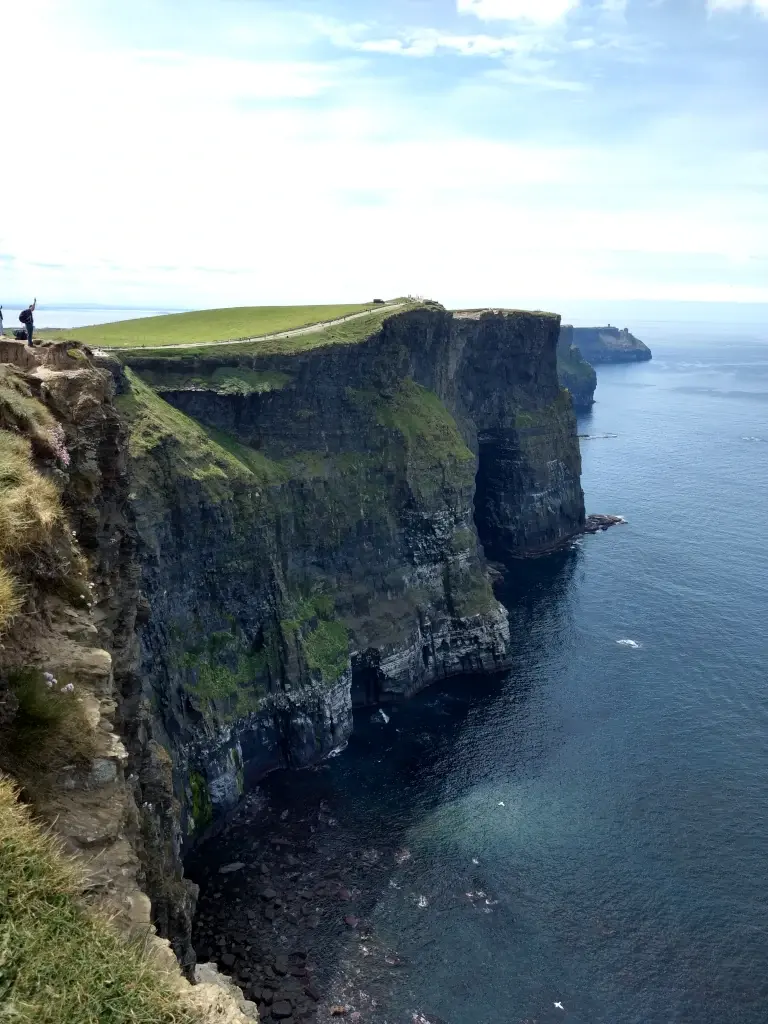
[[289, 919]]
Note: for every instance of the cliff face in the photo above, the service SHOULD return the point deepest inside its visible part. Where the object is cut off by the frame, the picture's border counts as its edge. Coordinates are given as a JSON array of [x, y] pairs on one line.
[[609, 345], [270, 539], [574, 372], [311, 528], [69, 655]]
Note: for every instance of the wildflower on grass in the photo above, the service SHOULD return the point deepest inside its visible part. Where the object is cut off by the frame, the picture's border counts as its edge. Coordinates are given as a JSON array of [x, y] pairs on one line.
[[58, 444]]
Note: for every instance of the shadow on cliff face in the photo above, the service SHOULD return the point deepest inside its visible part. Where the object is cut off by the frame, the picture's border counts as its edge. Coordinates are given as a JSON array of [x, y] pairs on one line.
[[291, 885]]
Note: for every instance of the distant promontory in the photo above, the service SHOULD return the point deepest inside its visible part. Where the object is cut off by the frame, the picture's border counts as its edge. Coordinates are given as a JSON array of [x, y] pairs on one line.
[[580, 349], [609, 345]]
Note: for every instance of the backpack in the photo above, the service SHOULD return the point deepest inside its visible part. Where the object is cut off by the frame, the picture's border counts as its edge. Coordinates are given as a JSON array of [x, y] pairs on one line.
[[25, 316]]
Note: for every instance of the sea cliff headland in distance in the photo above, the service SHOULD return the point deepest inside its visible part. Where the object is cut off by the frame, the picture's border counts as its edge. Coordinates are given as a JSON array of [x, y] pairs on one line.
[[580, 349]]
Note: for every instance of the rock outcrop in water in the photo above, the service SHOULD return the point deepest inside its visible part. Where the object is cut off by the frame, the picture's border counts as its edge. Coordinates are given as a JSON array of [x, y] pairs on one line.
[[609, 345], [272, 538]]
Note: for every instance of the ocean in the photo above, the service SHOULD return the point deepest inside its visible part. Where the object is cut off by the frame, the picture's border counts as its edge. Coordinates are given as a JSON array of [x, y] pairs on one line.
[[76, 316], [585, 839]]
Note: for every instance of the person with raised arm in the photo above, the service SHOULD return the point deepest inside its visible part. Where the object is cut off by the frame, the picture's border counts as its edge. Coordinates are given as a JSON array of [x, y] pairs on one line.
[[26, 317]]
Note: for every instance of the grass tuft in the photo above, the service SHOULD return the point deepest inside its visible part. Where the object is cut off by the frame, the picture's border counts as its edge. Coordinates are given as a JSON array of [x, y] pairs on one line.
[[60, 963], [29, 502], [21, 411], [10, 598], [48, 732], [32, 533]]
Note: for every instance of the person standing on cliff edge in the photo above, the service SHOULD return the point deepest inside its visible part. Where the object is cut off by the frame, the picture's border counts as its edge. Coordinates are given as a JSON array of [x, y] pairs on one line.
[[1, 322], [25, 316]]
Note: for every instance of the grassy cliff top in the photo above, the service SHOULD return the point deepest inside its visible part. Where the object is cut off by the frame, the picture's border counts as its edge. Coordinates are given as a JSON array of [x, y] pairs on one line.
[[206, 325], [345, 332], [477, 314]]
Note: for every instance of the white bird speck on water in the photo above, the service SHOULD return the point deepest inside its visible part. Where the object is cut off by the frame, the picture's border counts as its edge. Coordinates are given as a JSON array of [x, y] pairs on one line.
[[501, 803], [559, 1006], [475, 860]]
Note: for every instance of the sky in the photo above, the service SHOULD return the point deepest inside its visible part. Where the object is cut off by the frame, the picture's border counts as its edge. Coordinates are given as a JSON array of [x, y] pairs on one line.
[[189, 153]]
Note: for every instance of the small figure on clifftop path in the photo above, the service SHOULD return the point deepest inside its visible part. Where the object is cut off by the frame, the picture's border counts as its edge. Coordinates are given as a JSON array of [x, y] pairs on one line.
[[25, 316], [1, 322]]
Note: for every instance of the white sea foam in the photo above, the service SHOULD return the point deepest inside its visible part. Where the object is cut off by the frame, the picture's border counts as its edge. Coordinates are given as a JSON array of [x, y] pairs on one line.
[[628, 643]]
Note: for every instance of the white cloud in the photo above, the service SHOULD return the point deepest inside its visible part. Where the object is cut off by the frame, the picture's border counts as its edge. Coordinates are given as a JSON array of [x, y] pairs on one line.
[[759, 6], [544, 12], [424, 41], [428, 42], [149, 167]]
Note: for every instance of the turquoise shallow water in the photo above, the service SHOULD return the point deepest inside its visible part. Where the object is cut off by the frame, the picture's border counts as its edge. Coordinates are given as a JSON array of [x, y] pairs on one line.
[[614, 797]]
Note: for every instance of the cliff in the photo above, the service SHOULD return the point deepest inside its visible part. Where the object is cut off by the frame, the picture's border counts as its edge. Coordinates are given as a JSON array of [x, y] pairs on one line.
[[609, 345], [68, 599], [255, 537], [312, 526], [574, 372]]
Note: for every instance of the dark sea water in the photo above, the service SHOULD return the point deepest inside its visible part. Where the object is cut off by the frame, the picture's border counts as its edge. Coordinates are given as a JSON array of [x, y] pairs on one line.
[[609, 802]]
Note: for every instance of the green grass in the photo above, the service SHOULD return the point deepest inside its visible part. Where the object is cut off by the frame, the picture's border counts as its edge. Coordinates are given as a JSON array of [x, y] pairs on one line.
[[224, 380], [166, 443], [61, 963], [49, 731], [204, 325], [32, 522], [324, 640], [351, 332], [20, 410], [435, 449]]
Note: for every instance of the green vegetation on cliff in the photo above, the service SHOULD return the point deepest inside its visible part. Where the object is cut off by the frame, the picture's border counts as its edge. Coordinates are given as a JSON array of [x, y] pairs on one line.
[[205, 325], [224, 380], [322, 638], [48, 731], [435, 449], [202, 809], [166, 444], [34, 539], [349, 332], [60, 962], [224, 671]]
